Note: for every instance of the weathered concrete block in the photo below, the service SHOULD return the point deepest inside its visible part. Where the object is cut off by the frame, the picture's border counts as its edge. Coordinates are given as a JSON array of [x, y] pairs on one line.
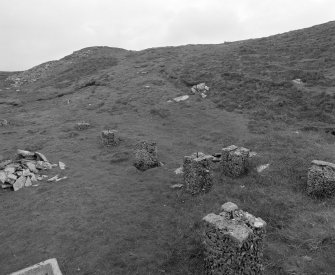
[[321, 178], [48, 267], [197, 173], [234, 161], [146, 155], [233, 242], [109, 138]]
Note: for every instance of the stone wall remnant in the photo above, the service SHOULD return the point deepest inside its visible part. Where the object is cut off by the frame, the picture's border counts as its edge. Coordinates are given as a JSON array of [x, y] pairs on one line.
[[109, 137], [234, 161], [197, 173], [146, 155], [233, 242], [82, 125], [321, 178]]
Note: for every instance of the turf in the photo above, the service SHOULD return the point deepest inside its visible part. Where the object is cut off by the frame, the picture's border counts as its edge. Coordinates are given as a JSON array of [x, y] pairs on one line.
[[109, 218]]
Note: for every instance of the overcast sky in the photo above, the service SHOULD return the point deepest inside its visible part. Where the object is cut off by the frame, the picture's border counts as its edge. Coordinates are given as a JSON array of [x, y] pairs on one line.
[[36, 31]]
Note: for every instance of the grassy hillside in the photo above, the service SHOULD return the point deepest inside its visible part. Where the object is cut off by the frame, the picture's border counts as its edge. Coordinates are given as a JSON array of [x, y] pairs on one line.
[[109, 218]]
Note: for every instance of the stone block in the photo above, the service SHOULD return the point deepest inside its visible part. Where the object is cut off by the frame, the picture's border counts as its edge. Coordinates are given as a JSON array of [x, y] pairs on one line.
[[109, 138], [82, 125], [234, 161], [321, 178], [197, 173], [48, 267], [146, 155], [233, 242]]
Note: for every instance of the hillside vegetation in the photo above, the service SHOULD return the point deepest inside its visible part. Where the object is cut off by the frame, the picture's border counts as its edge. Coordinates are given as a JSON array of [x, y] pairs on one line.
[[109, 218]]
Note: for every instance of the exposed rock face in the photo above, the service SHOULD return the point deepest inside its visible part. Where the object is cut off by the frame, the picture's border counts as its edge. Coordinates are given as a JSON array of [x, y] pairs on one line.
[[321, 178], [233, 242], [197, 175], [146, 155], [234, 161], [109, 138]]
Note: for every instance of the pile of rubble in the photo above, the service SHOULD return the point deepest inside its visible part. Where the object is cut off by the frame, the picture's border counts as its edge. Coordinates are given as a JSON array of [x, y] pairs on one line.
[[233, 242], [26, 170], [200, 89]]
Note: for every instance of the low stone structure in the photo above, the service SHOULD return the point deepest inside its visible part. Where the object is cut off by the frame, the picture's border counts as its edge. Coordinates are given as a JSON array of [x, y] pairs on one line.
[[233, 242], [146, 155], [321, 178], [234, 161], [109, 138], [197, 173], [82, 125], [48, 267]]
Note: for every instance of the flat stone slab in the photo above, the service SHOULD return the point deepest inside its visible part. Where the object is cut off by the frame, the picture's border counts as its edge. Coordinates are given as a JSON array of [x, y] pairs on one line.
[[48, 267], [323, 163]]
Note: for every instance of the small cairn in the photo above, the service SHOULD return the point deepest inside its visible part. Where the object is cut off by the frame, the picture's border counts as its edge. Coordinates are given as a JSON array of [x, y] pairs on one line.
[[109, 138], [197, 175], [200, 89], [146, 155], [234, 161], [82, 125], [233, 242], [4, 122], [321, 178]]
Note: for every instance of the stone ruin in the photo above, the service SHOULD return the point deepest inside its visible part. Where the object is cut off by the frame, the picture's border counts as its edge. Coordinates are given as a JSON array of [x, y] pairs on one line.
[[26, 170], [82, 125], [321, 178], [200, 89], [146, 155], [109, 138], [197, 173], [234, 161], [233, 242]]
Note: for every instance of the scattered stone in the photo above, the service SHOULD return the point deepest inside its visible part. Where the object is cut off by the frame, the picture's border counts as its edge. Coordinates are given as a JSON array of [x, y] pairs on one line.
[[181, 98], [19, 183], [24, 170], [32, 167], [321, 178], [307, 258], [234, 161], [146, 155], [252, 154], [200, 89], [63, 178], [176, 186], [41, 157], [109, 138], [197, 175], [262, 167], [82, 125], [298, 81], [179, 171], [61, 165], [25, 154], [233, 242], [3, 122], [229, 207], [53, 178]]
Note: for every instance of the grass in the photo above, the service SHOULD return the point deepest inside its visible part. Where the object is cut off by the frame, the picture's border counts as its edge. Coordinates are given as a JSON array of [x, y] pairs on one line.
[[109, 218]]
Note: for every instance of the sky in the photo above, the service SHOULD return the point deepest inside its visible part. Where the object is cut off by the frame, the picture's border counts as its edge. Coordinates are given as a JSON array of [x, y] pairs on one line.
[[36, 31]]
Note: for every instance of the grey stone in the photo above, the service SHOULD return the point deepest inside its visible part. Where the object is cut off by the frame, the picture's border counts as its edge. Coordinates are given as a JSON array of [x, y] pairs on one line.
[[146, 155], [19, 183], [109, 138], [234, 161], [197, 173], [321, 178], [233, 244]]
